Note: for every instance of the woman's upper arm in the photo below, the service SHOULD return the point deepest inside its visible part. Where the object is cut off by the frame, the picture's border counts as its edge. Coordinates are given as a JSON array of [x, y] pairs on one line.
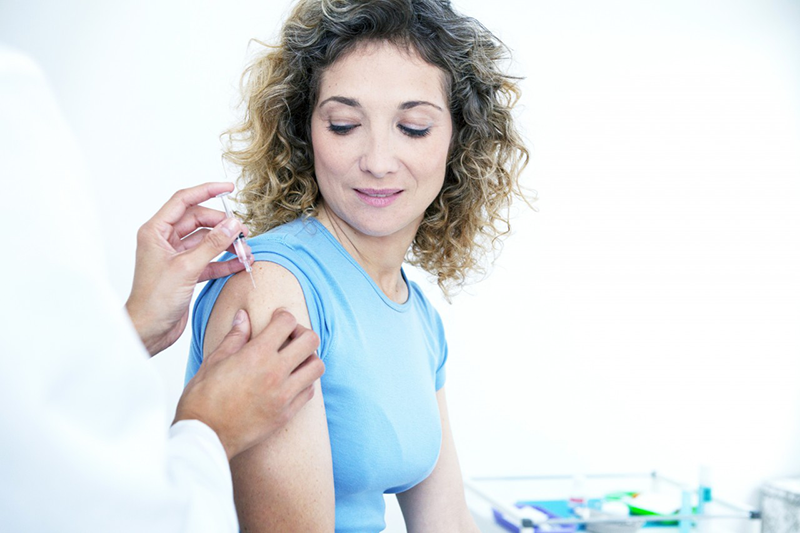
[[285, 483], [438, 502]]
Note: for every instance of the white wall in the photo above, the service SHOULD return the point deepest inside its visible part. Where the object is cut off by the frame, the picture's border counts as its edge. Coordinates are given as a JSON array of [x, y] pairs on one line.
[[647, 317]]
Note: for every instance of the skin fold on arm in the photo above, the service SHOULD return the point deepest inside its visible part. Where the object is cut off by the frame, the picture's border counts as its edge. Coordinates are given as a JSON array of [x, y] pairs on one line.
[[285, 483]]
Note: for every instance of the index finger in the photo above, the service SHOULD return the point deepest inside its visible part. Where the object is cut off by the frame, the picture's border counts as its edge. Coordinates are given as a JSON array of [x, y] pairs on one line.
[[302, 343], [172, 211], [276, 332]]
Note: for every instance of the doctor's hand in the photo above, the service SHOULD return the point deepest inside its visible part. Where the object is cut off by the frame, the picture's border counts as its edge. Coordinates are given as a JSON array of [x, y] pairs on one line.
[[245, 391], [174, 250]]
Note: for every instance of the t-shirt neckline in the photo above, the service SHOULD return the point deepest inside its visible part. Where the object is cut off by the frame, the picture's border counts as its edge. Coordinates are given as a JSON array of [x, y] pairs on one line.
[[388, 301]]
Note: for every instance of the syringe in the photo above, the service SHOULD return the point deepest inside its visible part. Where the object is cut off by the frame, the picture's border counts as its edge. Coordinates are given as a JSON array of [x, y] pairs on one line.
[[238, 244]]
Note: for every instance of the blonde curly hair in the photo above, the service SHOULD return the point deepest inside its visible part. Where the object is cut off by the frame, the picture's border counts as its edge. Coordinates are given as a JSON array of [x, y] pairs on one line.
[[280, 89]]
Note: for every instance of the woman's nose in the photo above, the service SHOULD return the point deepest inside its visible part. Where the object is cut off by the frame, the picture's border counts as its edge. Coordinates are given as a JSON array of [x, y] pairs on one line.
[[379, 157]]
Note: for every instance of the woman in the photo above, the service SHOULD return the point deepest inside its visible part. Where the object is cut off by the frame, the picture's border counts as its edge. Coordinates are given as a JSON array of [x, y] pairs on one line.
[[376, 132]]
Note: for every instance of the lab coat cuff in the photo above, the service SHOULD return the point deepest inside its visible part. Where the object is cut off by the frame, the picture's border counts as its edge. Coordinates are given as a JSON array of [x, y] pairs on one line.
[[208, 439]]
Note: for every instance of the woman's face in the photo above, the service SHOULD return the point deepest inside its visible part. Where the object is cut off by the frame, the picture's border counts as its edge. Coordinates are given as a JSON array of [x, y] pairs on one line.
[[381, 132]]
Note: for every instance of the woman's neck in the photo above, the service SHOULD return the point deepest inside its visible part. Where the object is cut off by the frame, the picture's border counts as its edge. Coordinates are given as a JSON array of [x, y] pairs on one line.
[[380, 257]]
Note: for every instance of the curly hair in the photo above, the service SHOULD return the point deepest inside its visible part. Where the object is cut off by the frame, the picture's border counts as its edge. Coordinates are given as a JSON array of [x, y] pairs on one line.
[[280, 89]]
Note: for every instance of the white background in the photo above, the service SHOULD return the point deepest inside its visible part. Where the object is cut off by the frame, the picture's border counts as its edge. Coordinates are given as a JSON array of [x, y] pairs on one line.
[[647, 317]]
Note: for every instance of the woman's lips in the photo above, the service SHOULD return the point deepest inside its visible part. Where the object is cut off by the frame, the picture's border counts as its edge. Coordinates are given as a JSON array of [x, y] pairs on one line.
[[378, 197]]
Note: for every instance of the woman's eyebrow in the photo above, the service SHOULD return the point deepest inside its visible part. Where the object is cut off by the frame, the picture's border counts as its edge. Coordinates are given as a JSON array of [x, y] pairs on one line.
[[415, 103], [352, 102]]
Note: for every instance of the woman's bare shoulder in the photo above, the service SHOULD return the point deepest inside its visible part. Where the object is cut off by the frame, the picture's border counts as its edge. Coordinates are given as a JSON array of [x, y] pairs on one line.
[[276, 287]]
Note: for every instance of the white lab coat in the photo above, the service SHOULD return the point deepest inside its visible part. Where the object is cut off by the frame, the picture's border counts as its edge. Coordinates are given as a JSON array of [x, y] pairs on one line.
[[84, 445]]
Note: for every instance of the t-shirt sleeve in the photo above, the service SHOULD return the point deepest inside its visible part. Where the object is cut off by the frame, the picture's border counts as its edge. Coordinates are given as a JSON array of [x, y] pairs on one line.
[[441, 369], [437, 341], [441, 372]]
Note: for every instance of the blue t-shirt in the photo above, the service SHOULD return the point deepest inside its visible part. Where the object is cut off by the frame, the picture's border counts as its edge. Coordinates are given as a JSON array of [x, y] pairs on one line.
[[384, 363]]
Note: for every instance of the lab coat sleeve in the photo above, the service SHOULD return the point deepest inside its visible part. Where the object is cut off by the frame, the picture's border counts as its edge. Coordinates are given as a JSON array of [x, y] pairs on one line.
[[84, 442]]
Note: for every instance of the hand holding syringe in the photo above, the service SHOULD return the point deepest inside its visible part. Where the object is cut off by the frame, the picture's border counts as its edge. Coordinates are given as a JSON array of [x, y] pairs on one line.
[[163, 286], [238, 244]]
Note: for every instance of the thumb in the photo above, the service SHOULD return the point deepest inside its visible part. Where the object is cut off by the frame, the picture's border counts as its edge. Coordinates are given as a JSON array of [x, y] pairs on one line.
[[236, 338], [214, 243]]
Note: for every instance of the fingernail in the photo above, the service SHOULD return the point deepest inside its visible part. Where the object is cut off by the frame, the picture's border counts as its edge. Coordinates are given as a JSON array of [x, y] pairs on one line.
[[230, 227], [238, 318]]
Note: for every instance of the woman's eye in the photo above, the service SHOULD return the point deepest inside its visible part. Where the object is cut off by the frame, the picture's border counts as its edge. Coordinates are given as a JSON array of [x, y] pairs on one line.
[[341, 129], [414, 132]]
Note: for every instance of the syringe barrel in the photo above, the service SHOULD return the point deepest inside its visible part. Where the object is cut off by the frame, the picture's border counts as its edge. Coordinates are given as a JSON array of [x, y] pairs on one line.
[[240, 253]]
